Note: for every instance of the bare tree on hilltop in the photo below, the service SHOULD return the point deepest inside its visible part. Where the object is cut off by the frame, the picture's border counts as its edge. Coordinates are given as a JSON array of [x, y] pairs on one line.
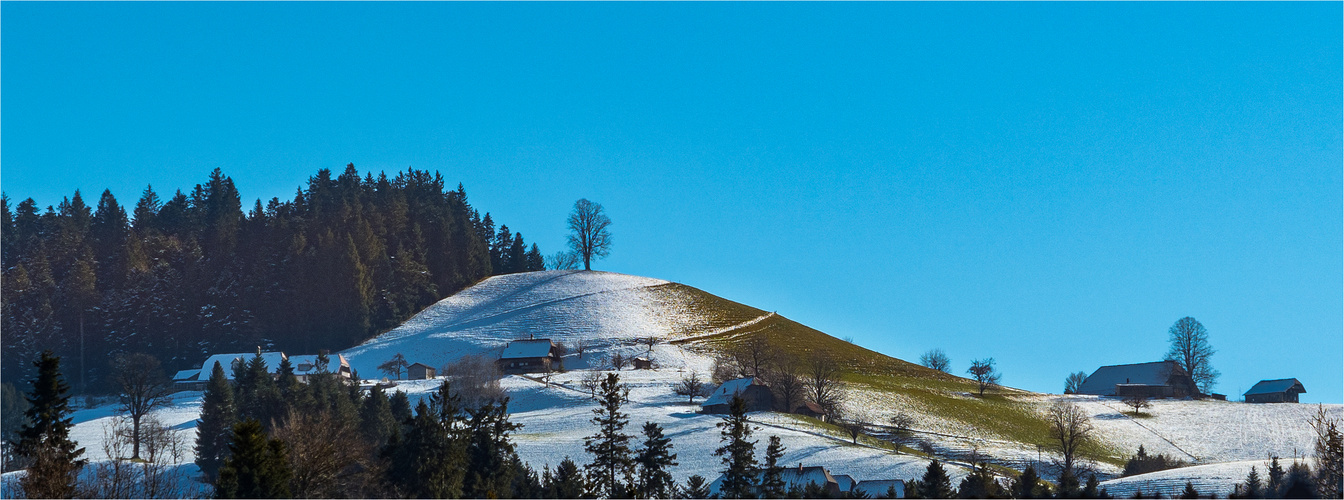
[[1074, 382], [1191, 350], [984, 373], [588, 232], [936, 359]]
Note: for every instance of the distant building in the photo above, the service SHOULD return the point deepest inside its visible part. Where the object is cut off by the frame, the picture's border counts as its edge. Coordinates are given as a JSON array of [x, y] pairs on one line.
[[844, 482], [642, 363], [307, 365], [1159, 379], [802, 476], [751, 389], [529, 356], [810, 409], [1284, 390], [189, 380], [420, 371], [226, 361], [880, 488]]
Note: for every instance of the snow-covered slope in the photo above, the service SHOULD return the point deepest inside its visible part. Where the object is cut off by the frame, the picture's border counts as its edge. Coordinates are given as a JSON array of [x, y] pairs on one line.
[[608, 311], [1214, 479]]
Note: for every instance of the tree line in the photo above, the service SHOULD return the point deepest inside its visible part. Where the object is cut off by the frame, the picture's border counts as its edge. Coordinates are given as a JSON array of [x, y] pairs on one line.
[[190, 274]]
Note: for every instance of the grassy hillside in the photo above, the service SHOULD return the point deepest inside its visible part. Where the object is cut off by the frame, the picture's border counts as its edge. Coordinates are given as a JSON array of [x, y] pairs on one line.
[[1006, 414]]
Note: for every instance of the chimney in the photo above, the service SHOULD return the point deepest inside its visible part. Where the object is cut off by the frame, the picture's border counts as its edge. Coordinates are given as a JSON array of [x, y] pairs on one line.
[[258, 350]]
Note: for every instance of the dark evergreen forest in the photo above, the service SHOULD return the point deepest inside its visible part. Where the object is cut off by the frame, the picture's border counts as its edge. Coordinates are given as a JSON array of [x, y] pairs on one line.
[[195, 274]]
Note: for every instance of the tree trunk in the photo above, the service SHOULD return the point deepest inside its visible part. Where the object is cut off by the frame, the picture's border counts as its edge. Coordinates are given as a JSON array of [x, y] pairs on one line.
[[82, 387], [135, 437]]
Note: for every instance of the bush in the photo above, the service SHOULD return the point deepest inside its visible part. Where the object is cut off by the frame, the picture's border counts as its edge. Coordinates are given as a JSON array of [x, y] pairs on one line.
[[1143, 463]]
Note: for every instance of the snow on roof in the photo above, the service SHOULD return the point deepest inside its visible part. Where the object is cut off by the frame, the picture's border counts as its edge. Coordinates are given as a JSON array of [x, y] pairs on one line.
[[878, 488], [845, 482], [537, 348], [1102, 382], [801, 476], [724, 394], [188, 374], [1273, 386], [272, 360], [305, 364]]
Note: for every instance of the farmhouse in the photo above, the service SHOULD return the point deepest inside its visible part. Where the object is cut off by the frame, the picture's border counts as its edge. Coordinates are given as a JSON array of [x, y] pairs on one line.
[[1159, 379], [802, 476], [226, 361], [188, 380], [1284, 390], [751, 389], [529, 356], [420, 371], [306, 365]]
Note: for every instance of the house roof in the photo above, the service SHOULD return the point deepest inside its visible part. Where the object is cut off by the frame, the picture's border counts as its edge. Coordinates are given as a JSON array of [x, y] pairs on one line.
[[306, 364], [844, 480], [1103, 381], [189, 374], [812, 407], [1273, 386], [538, 348], [272, 360], [878, 488], [421, 364], [801, 476], [724, 394]]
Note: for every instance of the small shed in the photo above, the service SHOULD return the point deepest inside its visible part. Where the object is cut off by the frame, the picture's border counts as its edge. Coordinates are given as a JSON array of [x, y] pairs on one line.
[[810, 409], [642, 363], [1284, 390], [529, 356], [882, 488], [420, 371], [751, 389]]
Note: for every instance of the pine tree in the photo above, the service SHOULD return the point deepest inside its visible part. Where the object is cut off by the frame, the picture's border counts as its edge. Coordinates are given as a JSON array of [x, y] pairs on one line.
[[1299, 483], [654, 459], [739, 454], [256, 468], [612, 469], [935, 483], [772, 484], [376, 418], [1068, 484], [424, 464], [215, 428], [1253, 487], [525, 484], [535, 262], [1190, 491], [517, 260], [979, 484], [44, 441], [1274, 488], [400, 405], [488, 451], [696, 487], [1090, 490], [1027, 485], [567, 482]]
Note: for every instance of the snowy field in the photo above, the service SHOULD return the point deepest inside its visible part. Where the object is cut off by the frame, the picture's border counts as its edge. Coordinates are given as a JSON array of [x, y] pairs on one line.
[[1212, 479]]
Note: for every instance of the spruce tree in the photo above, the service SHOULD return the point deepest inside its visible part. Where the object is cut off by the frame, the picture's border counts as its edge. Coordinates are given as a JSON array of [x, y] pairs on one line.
[[567, 481], [1252, 488], [214, 430], [1274, 488], [612, 469], [772, 482], [1027, 485], [696, 487], [935, 483], [52, 459], [400, 406], [257, 467], [654, 460], [422, 465], [979, 484], [488, 452], [739, 454], [1068, 484], [526, 484], [376, 419], [1299, 482], [1090, 490]]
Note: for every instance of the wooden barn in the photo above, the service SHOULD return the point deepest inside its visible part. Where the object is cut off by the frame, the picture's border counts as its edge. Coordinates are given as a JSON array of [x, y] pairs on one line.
[[529, 356], [810, 409], [420, 371], [1159, 379], [642, 363], [1284, 390], [751, 389]]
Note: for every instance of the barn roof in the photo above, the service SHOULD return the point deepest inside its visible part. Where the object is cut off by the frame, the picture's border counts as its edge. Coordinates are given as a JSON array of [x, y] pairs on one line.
[[1274, 386], [724, 394], [189, 374], [272, 360], [538, 348], [1102, 382], [420, 364], [878, 488]]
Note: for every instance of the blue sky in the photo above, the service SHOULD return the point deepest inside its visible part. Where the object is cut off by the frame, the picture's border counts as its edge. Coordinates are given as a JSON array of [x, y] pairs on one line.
[[1050, 184]]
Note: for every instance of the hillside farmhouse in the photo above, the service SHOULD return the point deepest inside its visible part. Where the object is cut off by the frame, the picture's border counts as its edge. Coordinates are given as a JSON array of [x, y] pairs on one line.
[[1159, 379], [420, 371], [304, 366], [751, 389], [1284, 390], [529, 356]]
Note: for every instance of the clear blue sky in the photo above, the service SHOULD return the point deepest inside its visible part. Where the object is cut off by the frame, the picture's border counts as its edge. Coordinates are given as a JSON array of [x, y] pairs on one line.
[[1050, 184]]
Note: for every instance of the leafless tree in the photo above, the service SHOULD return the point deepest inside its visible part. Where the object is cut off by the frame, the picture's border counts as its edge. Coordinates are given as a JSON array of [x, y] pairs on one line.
[[690, 386], [142, 387], [158, 475], [725, 368], [581, 345], [854, 424], [1137, 402], [562, 261], [393, 367], [588, 232], [1070, 429], [754, 357], [1074, 382], [982, 370], [901, 422], [937, 360], [1329, 454], [1191, 351], [618, 361], [475, 379], [821, 383], [590, 381], [787, 387], [327, 455]]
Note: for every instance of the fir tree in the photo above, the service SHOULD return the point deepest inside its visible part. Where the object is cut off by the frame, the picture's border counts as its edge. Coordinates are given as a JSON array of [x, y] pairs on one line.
[[535, 262], [935, 483], [1252, 488], [979, 484], [654, 460], [214, 430], [424, 464], [375, 414], [567, 482], [1068, 485], [739, 454], [1091, 489], [489, 449], [526, 484], [612, 468], [400, 405], [696, 487], [1027, 485], [1299, 482], [52, 459], [1274, 488], [772, 484], [257, 467]]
